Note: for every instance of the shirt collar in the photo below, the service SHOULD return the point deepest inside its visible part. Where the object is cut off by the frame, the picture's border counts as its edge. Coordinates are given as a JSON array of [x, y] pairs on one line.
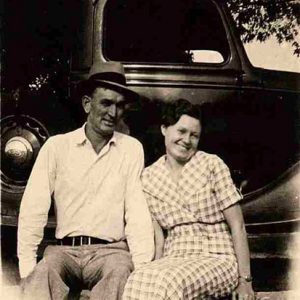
[[80, 137]]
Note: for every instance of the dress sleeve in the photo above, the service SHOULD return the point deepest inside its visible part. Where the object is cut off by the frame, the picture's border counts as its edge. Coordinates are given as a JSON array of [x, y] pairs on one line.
[[226, 192], [145, 178]]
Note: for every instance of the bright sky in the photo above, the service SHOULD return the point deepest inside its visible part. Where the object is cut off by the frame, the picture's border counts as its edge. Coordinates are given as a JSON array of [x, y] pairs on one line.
[[271, 55]]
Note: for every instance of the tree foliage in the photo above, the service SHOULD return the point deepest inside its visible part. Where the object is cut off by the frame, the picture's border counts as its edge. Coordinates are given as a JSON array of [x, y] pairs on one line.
[[261, 19]]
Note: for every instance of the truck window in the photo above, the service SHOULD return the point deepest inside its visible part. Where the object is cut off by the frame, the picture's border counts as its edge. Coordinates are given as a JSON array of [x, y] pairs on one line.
[[272, 55], [258, 24], [169, 31]]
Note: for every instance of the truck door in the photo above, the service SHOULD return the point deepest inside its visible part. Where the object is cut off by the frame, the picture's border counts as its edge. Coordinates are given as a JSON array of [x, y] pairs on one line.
[[173, 49]]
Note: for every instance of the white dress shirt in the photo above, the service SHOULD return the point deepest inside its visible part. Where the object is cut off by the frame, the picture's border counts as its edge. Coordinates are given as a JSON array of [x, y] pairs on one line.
[[98, 195]]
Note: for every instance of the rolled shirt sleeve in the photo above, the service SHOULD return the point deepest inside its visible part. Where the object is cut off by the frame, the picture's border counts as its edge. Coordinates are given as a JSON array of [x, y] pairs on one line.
[[138, 228], [34, 208]]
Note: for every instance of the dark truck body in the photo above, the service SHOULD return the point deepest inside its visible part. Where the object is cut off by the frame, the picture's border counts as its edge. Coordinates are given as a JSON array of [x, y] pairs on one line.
[[252, 116]]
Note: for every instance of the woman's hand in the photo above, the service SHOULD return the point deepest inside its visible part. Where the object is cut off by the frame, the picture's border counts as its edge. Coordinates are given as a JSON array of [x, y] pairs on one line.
[[244, 291]]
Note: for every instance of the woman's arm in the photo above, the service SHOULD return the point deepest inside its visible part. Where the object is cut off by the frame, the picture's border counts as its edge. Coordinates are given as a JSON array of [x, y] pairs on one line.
[[235, 220], [159, 240]]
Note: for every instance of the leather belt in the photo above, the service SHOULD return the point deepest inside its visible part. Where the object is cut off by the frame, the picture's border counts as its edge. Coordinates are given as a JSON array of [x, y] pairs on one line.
[[80, 240]]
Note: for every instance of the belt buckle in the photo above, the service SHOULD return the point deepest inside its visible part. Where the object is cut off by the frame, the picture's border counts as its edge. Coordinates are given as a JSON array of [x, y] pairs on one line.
[[89, 240]]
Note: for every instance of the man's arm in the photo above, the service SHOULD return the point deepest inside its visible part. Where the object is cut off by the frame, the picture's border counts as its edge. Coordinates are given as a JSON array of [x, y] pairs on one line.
[[34, 209], [138, 227]]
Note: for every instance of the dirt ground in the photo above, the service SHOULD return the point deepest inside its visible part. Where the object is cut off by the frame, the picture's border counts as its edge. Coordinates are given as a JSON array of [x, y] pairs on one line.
[[12, 293]]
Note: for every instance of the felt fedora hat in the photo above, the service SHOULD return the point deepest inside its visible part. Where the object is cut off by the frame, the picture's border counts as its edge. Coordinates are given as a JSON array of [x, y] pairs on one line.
[[110, 75]]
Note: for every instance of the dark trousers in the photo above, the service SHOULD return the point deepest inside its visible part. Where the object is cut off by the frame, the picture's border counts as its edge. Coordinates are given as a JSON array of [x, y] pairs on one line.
[[103, 269]]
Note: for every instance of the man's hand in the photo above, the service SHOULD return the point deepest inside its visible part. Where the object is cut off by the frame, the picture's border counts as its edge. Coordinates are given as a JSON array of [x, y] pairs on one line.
[[244, 291], [22, 284]]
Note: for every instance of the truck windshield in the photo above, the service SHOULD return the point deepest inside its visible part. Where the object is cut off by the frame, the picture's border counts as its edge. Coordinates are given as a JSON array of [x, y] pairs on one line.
[[169, 31]]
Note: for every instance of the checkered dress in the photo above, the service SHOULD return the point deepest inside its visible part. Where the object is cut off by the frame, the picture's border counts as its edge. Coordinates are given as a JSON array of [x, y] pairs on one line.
[[199, 260]]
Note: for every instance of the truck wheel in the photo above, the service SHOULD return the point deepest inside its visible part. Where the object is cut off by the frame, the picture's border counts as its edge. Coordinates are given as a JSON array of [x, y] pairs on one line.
[[22, 137]]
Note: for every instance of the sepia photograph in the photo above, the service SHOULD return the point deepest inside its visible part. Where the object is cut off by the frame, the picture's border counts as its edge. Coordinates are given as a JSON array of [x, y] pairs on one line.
[[150, 150]]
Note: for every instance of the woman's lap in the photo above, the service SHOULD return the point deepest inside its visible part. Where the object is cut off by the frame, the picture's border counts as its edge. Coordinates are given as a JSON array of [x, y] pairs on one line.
[[183, 278]]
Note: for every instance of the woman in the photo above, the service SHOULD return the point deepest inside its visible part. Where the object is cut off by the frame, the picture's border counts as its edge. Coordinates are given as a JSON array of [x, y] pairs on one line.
[[191, 196]]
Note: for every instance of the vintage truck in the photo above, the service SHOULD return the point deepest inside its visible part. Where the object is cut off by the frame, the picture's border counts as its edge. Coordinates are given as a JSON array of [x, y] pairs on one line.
[[178, 49]]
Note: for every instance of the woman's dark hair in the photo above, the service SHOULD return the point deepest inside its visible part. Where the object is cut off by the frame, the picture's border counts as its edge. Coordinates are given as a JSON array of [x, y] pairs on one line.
[[172, 112]]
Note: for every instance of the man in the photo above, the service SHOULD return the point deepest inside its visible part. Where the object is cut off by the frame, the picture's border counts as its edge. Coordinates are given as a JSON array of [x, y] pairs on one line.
[[93, 175]]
